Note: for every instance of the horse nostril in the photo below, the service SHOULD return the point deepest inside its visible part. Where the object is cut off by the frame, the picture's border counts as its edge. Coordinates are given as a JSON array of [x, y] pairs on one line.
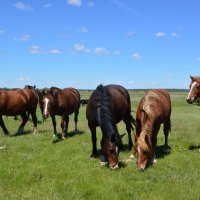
[[140, 169], [189, 101]]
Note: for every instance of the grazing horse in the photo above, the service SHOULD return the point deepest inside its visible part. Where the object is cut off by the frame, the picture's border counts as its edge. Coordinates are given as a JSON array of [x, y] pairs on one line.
[[18, 102], [153, 110], [107, 106], [194, 92], [62, 102]]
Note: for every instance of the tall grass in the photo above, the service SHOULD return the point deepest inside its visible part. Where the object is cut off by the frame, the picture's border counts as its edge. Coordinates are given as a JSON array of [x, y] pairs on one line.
[[32, 167]]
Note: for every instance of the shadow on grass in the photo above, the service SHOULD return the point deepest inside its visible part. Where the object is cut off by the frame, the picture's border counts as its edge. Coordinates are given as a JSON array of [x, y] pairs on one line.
[[21, 134], [193, 147], [160, 153], [69, 134]]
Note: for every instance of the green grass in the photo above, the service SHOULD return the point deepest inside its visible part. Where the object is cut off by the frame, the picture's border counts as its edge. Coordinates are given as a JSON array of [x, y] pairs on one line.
[[32, 167]]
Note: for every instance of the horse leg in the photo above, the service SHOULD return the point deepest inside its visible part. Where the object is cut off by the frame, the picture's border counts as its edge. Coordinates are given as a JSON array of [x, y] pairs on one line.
[[92, 128], [54, 125], [3, 126], [166, 129], [128, 129], [154, 143], [64, 126], [34, 119], [21, 127], [76, 118]]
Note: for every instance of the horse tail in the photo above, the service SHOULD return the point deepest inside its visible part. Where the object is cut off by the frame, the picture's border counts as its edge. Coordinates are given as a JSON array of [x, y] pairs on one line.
[[133, 122]]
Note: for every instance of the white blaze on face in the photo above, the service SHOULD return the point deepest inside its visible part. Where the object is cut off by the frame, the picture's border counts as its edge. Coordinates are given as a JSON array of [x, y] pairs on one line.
[[46, 101], [192, 86]]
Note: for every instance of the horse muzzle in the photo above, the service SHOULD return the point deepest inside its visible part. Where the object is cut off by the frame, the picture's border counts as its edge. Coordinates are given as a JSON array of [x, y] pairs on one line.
[[46, 115], [190, 100], [114, 167]]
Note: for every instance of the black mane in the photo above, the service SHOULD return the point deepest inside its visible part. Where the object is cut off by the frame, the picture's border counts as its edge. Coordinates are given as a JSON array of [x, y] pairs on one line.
[[105, 114]]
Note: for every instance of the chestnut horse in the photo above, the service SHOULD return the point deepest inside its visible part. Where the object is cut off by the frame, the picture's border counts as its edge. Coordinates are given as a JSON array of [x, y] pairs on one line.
[[62, 102], [107, 106], [18, 102], [153, 110], [194, 92]]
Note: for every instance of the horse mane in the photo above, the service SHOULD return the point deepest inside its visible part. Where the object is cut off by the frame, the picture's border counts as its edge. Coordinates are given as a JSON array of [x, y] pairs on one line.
[[196, 78], [148, 116], [105, 114]]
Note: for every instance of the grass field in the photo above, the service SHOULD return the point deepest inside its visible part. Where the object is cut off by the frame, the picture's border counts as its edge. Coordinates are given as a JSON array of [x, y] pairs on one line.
[[32, 167]]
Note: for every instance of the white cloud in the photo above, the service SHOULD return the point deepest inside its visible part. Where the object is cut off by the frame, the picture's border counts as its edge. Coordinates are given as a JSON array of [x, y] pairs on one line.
[[83, 29], [198, 59], [117, 52], [90, 4], [131, 33], [35, 49], [22, 6], [100, 51], [80, 48], [23, 38], [47, 5], [174, 34], [136, 56], [161, 34], [55, 51], [2, 32], [24, 78], [76, 3]]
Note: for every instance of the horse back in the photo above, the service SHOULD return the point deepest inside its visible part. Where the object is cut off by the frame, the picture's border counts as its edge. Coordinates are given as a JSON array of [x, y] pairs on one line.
[[155, 103], [14, 102], [68, 100], [120, 102]]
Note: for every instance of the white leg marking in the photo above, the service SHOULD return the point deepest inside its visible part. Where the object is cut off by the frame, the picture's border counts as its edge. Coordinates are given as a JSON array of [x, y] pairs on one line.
[[46, 100]]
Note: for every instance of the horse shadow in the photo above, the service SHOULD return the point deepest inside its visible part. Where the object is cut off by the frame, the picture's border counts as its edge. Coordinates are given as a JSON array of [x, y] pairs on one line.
[[193, 147], [69, 134], [28, 132], [160, 153]]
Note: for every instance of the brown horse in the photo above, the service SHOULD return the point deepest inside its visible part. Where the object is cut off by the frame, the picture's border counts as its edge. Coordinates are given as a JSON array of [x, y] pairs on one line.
[[39, 95], [153, 110], [62, 102], [18, 102], [107, 106], [194, 92]]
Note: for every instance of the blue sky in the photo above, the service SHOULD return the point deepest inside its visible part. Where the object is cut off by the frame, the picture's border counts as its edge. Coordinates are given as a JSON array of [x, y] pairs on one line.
[[82, 43]]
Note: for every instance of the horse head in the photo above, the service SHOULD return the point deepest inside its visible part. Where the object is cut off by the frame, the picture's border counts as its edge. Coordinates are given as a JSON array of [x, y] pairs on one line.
[[48, 102], [194, 89], [143, 151], [111, 149]]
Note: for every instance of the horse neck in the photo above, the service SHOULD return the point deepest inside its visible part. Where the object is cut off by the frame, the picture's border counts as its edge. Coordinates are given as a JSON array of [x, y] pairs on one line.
[[105, 113]]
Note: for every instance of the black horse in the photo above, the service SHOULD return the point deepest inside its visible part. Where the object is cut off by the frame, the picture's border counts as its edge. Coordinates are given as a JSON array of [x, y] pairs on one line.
[[107, 106]]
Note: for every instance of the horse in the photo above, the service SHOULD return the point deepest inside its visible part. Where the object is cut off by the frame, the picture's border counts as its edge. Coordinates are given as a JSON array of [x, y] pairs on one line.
[[194, 92], [39, 95], [62, 102], [107, 106], [84, 102], [153, 110], [18, 102]]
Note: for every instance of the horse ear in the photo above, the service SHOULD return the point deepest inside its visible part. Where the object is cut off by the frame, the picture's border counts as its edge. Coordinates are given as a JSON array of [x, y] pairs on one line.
[[44, 91], [191, 77]]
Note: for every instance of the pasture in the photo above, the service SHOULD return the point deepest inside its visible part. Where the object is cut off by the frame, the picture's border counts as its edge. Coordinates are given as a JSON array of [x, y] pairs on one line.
[[32, 167]]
